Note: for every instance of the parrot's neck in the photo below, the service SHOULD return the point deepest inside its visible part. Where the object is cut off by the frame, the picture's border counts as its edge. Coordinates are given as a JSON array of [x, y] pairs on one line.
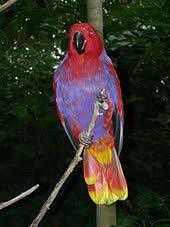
[[83, 66]]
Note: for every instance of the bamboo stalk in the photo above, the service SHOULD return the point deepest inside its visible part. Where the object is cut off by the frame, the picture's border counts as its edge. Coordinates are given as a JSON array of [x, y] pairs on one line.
[[95, 15], [105, 215]]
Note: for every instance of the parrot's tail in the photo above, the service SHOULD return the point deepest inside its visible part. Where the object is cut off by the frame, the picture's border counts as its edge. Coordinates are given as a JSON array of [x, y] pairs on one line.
[[104, 176]]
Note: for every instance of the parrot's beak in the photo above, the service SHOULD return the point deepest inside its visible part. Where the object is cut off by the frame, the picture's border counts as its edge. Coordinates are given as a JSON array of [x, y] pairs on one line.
[[79, 42]]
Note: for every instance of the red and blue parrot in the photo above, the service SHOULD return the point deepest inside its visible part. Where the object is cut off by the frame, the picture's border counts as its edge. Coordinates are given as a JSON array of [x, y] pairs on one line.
[[84, 72]]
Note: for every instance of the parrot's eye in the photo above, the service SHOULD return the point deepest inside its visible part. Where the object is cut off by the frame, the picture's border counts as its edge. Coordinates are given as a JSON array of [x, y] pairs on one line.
[[91, 32]]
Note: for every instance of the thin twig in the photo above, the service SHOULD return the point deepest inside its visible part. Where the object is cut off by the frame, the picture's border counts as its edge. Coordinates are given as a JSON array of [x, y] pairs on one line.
[[19, 197], [100, 103], [6, 5]]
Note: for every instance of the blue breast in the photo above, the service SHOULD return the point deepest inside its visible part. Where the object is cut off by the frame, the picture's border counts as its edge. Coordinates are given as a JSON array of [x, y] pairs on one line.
[[76, 99]]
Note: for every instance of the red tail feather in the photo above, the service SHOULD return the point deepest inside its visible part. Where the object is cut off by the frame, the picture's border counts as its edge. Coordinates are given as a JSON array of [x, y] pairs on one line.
[[106, 182]]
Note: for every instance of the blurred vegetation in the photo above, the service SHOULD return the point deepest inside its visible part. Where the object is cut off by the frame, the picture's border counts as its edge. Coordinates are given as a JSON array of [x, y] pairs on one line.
[[33, 146]]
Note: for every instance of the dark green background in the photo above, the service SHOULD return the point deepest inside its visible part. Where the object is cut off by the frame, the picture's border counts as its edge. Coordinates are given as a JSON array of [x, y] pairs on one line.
[[33, 146]]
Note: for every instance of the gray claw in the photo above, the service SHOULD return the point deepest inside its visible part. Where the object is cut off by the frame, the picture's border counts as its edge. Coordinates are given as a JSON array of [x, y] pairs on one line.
[[85, 139]]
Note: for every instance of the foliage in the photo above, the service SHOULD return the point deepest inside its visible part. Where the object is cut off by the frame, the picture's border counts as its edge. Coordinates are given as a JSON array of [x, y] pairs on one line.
[[34, 148]]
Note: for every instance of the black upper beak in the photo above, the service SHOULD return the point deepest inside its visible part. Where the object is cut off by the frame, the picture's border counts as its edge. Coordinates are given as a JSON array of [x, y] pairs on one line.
[[79, 42]]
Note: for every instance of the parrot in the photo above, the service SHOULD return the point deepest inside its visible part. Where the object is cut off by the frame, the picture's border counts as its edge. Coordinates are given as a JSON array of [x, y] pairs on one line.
[[85, 70]]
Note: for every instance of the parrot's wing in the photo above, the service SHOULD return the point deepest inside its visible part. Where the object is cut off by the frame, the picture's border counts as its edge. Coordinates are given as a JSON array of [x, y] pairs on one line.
[[118, 130], [67, 128], [118, 113], [62, 117], [70, 134]]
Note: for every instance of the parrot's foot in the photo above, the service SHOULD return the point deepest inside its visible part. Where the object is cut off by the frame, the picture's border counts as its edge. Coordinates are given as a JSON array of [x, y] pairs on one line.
[[102, 96], [85, 139]]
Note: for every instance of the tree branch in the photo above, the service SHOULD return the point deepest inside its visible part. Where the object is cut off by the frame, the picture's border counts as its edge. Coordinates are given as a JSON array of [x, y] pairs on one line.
[[19, 197], [100, 103], [6, 5]]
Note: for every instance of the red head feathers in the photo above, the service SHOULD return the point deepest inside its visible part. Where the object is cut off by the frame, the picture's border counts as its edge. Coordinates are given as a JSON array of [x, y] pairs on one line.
[[84, 40]]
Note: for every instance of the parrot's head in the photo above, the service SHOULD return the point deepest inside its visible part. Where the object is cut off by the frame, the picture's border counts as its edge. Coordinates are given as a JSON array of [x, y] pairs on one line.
[[84, 40]]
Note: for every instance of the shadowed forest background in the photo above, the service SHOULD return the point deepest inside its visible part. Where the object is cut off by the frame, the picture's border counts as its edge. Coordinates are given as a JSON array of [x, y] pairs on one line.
[[33, 146]]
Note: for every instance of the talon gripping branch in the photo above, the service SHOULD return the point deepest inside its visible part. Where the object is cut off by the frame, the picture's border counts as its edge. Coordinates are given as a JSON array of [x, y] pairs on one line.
[[84, 72]]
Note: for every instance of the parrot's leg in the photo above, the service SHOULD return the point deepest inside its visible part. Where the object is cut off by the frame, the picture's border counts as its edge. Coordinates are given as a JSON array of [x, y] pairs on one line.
[[85, 139]]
